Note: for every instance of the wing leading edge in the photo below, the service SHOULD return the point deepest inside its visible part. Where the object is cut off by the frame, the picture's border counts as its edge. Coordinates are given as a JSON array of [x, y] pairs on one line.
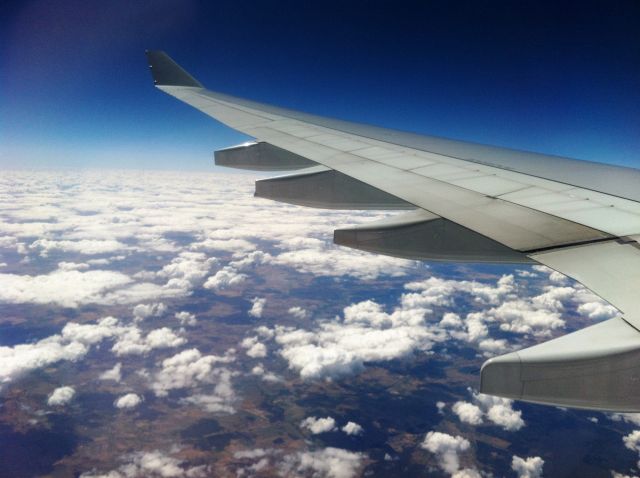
[[473, 203]]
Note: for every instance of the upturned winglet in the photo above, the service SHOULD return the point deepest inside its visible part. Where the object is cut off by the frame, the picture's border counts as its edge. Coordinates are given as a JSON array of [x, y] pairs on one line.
[[167, 72]]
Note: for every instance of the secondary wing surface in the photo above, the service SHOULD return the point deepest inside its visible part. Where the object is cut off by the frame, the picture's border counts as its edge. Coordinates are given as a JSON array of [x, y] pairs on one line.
[[466, 202]]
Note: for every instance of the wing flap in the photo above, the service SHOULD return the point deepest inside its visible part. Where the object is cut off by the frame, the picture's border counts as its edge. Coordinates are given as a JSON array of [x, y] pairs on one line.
[[421, 235]]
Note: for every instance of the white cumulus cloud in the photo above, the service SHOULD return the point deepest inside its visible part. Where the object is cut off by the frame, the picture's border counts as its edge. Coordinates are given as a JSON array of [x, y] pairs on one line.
[[530, 467], [130, 400], [61, 396], [318, 425], [186, 318], [257, 307], [447, 449], [255, 349], [352, 428], [114, 373], [468, 412], [325, 463]]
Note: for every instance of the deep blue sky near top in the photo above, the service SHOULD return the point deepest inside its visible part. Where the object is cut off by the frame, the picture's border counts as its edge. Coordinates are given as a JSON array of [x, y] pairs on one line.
[[560, 77]]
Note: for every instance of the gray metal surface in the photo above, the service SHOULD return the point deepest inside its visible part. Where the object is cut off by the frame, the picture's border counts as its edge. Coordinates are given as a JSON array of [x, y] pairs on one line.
[[595, 368], [325, 188], [421, 235], [260, 156]]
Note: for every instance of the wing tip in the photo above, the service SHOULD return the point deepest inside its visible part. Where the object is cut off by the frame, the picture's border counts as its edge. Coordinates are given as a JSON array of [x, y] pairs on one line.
[[166, 72]]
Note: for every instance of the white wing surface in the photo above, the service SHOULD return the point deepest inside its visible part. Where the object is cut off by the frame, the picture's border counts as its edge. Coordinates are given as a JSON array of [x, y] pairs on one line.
[[471, 203]]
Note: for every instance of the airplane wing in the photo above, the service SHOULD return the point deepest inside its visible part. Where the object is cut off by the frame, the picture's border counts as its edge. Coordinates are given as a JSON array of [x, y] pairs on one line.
[[465, 202]]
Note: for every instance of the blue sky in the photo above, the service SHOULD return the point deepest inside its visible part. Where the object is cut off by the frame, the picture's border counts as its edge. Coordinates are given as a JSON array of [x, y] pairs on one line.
[[555, 77]]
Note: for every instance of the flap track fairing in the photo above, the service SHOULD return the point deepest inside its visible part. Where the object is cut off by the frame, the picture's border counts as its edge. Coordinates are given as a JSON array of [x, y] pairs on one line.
[[421, 235], [325, 188], [260, 156], [597, 368]]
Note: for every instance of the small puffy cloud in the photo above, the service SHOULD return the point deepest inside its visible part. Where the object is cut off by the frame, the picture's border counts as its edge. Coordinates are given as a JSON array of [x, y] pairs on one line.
[[447, 449], [632, 440], [255, 349], [266, 376], [468, 413], [90, 334], [325, 463], [132, 342], [143, 311], [187, 269], [225, 278], [500, 411], [598, 310], [497, 410], [190, 369], [114, 373], [298, 312], [530, 467], [318, 425], [450, 319], [61, 396], [163, 338], [186, 369], [250, 260], [352, 428], [557, 277], [221, 399], [493, 347], [186, 318], [151, 463], [130, 400], [257, 307]]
